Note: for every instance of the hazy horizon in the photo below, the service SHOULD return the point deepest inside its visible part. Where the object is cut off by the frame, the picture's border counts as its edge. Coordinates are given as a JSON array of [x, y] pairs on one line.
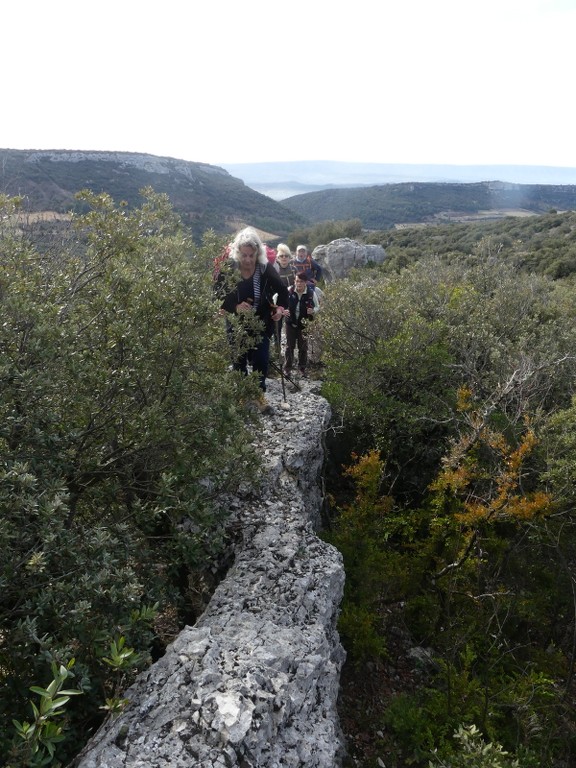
[[285, 179]]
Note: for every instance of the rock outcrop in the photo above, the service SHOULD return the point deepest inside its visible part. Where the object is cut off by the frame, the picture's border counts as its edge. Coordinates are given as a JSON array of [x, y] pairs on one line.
[[340, 256], [144, 162], [254, 683]]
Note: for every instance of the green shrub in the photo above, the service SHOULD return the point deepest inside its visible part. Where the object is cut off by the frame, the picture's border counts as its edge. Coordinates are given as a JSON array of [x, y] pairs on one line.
[[474, 752], [120, 425]]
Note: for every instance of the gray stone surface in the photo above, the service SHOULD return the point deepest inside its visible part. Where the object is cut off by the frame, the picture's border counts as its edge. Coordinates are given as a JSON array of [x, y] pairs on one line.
[[340, 256], [255, 681]]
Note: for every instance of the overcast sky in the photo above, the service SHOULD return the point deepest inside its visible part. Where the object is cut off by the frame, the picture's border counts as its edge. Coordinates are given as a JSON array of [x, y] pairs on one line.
[[222, 81]]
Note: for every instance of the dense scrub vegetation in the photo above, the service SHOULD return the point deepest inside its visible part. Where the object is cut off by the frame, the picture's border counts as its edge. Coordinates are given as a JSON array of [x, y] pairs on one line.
[[325, 232], [454, 381], [545, 244], [451, 371], [119, 426]]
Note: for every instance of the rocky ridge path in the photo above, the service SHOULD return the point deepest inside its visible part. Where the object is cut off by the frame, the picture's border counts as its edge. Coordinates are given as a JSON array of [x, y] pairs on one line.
[[254, 683]]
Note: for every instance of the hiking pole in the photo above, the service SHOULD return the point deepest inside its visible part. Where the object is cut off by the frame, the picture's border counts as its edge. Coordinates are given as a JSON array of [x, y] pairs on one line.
[[278, 368], [279, 348]]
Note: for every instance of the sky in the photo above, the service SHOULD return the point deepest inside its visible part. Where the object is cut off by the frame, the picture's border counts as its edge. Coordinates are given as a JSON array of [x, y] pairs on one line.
[[458, 82]]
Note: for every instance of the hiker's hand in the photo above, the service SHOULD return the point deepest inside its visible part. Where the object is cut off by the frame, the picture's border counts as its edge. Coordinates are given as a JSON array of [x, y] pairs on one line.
[[278, 314], [243, 307]]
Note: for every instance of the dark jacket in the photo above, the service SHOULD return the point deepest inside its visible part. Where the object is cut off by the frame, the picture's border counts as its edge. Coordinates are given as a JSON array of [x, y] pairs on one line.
[[243, 290], [286, 273], [306, 300]]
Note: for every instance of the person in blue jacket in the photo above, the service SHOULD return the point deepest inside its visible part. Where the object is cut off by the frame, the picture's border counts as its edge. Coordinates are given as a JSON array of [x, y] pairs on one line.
[[305, 263]]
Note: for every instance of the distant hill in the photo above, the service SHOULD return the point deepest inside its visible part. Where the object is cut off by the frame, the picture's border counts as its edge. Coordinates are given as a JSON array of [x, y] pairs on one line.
[[384, 206], [206, 196], [282, 180]]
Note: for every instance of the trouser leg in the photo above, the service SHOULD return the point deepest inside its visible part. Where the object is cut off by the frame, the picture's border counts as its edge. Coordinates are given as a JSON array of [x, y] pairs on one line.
[[239, 362], [291, 335], [260, 360], [302, 348]]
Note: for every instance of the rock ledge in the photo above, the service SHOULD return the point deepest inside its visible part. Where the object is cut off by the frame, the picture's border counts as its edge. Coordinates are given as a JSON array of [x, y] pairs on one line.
[[255, 682]]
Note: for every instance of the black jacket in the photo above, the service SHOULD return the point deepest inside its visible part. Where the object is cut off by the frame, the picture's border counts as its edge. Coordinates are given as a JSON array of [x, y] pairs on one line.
[[306, 301], [242, 290]]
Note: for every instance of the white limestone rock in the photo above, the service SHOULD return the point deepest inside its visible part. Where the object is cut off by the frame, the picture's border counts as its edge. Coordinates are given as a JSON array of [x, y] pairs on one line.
[[254, 683], [340, 256]]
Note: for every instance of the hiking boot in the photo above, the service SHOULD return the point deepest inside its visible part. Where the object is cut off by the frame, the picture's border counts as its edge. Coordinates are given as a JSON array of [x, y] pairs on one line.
[[287, 371], [263, 405], [259, 405], [303, 373]]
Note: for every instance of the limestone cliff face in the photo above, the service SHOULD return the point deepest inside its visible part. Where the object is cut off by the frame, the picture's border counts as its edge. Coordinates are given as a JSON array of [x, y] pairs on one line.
[[254, 683]]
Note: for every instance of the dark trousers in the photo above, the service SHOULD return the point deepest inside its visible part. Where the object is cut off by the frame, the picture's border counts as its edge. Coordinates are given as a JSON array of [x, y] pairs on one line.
[[258, 357], [296, 336]]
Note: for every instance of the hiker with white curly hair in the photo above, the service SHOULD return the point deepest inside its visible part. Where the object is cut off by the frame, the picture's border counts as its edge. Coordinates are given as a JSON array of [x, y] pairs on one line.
[[249, 292]]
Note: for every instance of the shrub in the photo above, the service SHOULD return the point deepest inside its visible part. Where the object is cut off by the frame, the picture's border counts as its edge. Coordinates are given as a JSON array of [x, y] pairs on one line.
[[474, 752], [120, 425]]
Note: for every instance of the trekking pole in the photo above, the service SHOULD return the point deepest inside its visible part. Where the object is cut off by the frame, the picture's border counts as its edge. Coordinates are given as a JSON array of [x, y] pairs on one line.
[[285, 376], [279, 346]]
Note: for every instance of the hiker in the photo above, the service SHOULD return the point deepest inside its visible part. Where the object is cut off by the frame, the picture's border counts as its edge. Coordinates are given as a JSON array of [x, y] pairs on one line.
[[270, 253], [303, 304], [305, 263], [315, 341], [283, 264], [249, 292]]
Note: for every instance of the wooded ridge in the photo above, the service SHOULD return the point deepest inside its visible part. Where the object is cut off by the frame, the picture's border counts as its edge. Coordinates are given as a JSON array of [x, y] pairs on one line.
[[205, 196], [384, 206]]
